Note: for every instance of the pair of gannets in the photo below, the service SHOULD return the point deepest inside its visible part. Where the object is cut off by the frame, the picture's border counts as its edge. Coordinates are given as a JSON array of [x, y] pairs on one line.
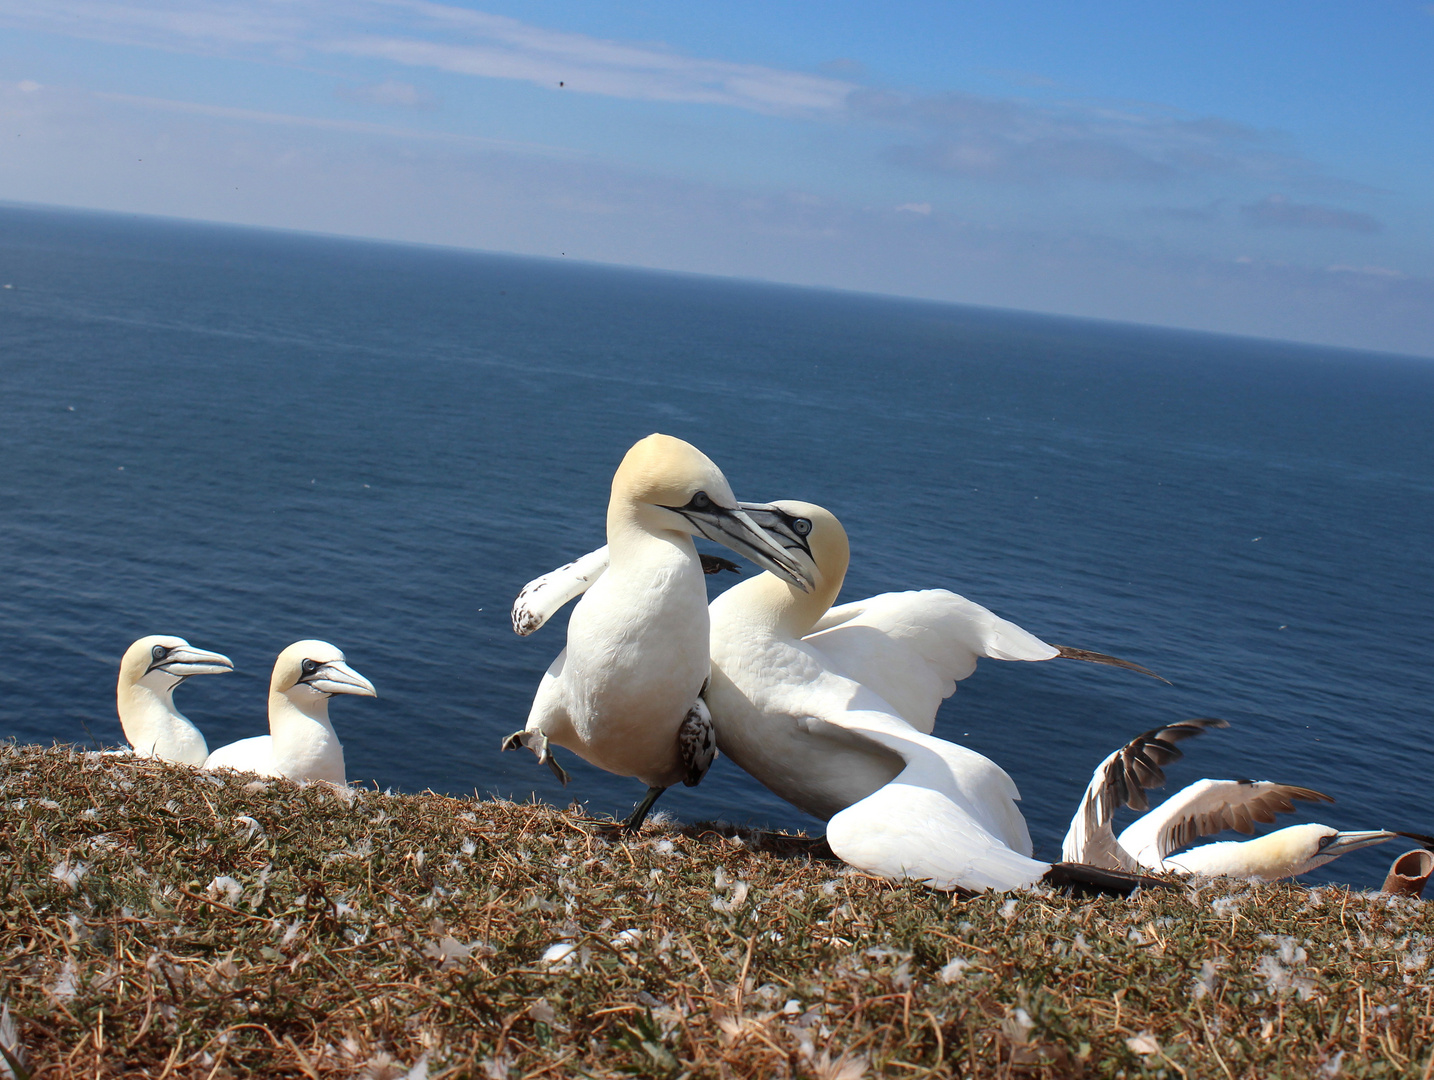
[[832, 709], [301, 744], [1204, 808]]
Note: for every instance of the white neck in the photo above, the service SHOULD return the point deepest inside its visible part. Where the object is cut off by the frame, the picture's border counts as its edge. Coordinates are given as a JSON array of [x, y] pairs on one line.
[[771, 605], [153, 726], [304, 744]]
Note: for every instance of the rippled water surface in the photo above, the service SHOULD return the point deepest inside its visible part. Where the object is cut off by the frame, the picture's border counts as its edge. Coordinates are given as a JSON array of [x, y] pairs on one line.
[[248, 437]]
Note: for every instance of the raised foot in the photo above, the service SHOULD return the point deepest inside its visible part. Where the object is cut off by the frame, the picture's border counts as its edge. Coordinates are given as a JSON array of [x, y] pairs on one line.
[[537, 742]]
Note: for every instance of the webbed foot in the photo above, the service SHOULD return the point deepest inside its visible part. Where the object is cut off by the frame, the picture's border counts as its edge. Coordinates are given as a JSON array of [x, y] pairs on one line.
[[537, 742]]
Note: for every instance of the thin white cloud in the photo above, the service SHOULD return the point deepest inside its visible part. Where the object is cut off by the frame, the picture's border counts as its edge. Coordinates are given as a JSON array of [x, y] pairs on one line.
[[359, 127], [390, 93], [438, 37], [1276, 211], [1013, 139]]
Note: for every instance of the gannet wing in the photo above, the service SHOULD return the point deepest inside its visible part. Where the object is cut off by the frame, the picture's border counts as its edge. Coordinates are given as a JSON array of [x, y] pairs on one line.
[[948, 819], [1207, 807], [983, 789], [255, 754], [1121, 780], [543, 597], [912, 648]]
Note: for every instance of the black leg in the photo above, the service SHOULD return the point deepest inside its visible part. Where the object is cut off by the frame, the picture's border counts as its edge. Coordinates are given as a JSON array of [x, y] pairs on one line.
[[638, 816]]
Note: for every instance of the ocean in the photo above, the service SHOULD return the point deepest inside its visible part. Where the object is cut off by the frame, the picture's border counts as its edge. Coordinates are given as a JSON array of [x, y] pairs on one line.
[[248, 437]]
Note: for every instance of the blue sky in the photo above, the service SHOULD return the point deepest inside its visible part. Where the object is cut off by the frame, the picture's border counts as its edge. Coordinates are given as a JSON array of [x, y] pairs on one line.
[[1257, 168]]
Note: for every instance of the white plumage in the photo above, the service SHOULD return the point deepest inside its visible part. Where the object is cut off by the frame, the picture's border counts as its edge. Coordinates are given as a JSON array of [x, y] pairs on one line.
[[799, 700], [833, 708], [1155, 840], [301, 744], [623, 694], [150, 670]]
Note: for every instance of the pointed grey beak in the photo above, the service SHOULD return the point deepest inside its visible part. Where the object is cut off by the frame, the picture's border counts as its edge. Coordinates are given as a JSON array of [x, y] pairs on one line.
[[1342, 843], [336, 677], [736, 530], [186, 660]]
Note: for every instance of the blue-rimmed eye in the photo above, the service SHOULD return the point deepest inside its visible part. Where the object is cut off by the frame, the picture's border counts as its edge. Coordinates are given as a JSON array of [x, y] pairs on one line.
[[159, 652], [308, 667], [801, 526]]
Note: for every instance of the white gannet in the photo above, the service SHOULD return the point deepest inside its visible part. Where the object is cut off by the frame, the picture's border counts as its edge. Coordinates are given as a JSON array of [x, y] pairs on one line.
[[1204, 808], [625, 693], [834, 714], [301, 744], [149, 672], [833, 708]]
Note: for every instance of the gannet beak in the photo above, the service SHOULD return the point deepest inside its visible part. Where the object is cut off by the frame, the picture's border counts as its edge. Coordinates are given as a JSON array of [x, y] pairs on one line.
[[732, 528], [1342, 843], [186, 660], [336, 677]]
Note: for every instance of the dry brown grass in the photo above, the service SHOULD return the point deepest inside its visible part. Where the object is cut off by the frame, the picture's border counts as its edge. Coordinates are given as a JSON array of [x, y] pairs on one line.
[[388, 936]]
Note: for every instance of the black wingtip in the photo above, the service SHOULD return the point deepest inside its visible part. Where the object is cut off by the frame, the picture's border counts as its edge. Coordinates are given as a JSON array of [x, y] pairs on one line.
[[1068, 653], [1080, 879], [715, 564], [1426, 842]]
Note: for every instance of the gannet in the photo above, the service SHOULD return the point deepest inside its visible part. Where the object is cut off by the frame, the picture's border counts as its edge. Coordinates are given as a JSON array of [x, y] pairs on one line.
[[1206, 807], [835, 714], [833, 708], [624, 694], [149, 672], [301, 744]]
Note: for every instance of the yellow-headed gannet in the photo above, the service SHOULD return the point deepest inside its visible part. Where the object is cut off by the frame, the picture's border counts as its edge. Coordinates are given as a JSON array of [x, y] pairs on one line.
[[624, 694], [834, 715], [1206, 807], [301, 744], [150, 670]]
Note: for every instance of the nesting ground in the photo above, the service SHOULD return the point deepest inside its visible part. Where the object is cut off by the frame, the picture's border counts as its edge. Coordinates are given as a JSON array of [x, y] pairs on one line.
[[160, 922]]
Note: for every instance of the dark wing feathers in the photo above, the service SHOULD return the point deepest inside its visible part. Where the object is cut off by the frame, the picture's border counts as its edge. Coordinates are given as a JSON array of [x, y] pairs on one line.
[[1138, 765], [1104, 658], [1240, 815], [1121, 780]]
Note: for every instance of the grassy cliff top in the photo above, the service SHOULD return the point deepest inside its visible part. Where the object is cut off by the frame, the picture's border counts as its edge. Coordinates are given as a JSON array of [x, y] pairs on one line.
[[155, 921]]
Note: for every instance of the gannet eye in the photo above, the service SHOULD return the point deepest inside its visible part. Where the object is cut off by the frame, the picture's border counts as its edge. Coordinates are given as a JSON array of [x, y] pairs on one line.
[[1324, 841], [308, 667], [801, 526], [159, 652], [700, 501]]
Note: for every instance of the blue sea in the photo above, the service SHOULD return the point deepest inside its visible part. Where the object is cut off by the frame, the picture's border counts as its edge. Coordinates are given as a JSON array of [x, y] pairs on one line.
[[248, 437]]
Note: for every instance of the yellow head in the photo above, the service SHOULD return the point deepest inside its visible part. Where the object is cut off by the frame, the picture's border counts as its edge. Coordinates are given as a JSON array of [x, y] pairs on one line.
[[317, 667], [665, 485]]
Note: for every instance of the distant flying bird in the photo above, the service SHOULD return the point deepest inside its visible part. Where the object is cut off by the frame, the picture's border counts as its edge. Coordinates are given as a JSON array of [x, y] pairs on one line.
[[625, 693], [301, 744], [150, 670], [1154, 841]]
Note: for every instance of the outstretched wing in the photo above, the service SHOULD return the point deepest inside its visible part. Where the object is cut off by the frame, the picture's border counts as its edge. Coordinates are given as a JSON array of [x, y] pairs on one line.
[[948, 819], [544, 596], [1121, 780], [912, 648], [1207, 807]]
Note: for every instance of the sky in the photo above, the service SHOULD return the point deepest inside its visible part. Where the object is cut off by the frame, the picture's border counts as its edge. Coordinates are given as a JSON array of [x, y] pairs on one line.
[[1253, 167]]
